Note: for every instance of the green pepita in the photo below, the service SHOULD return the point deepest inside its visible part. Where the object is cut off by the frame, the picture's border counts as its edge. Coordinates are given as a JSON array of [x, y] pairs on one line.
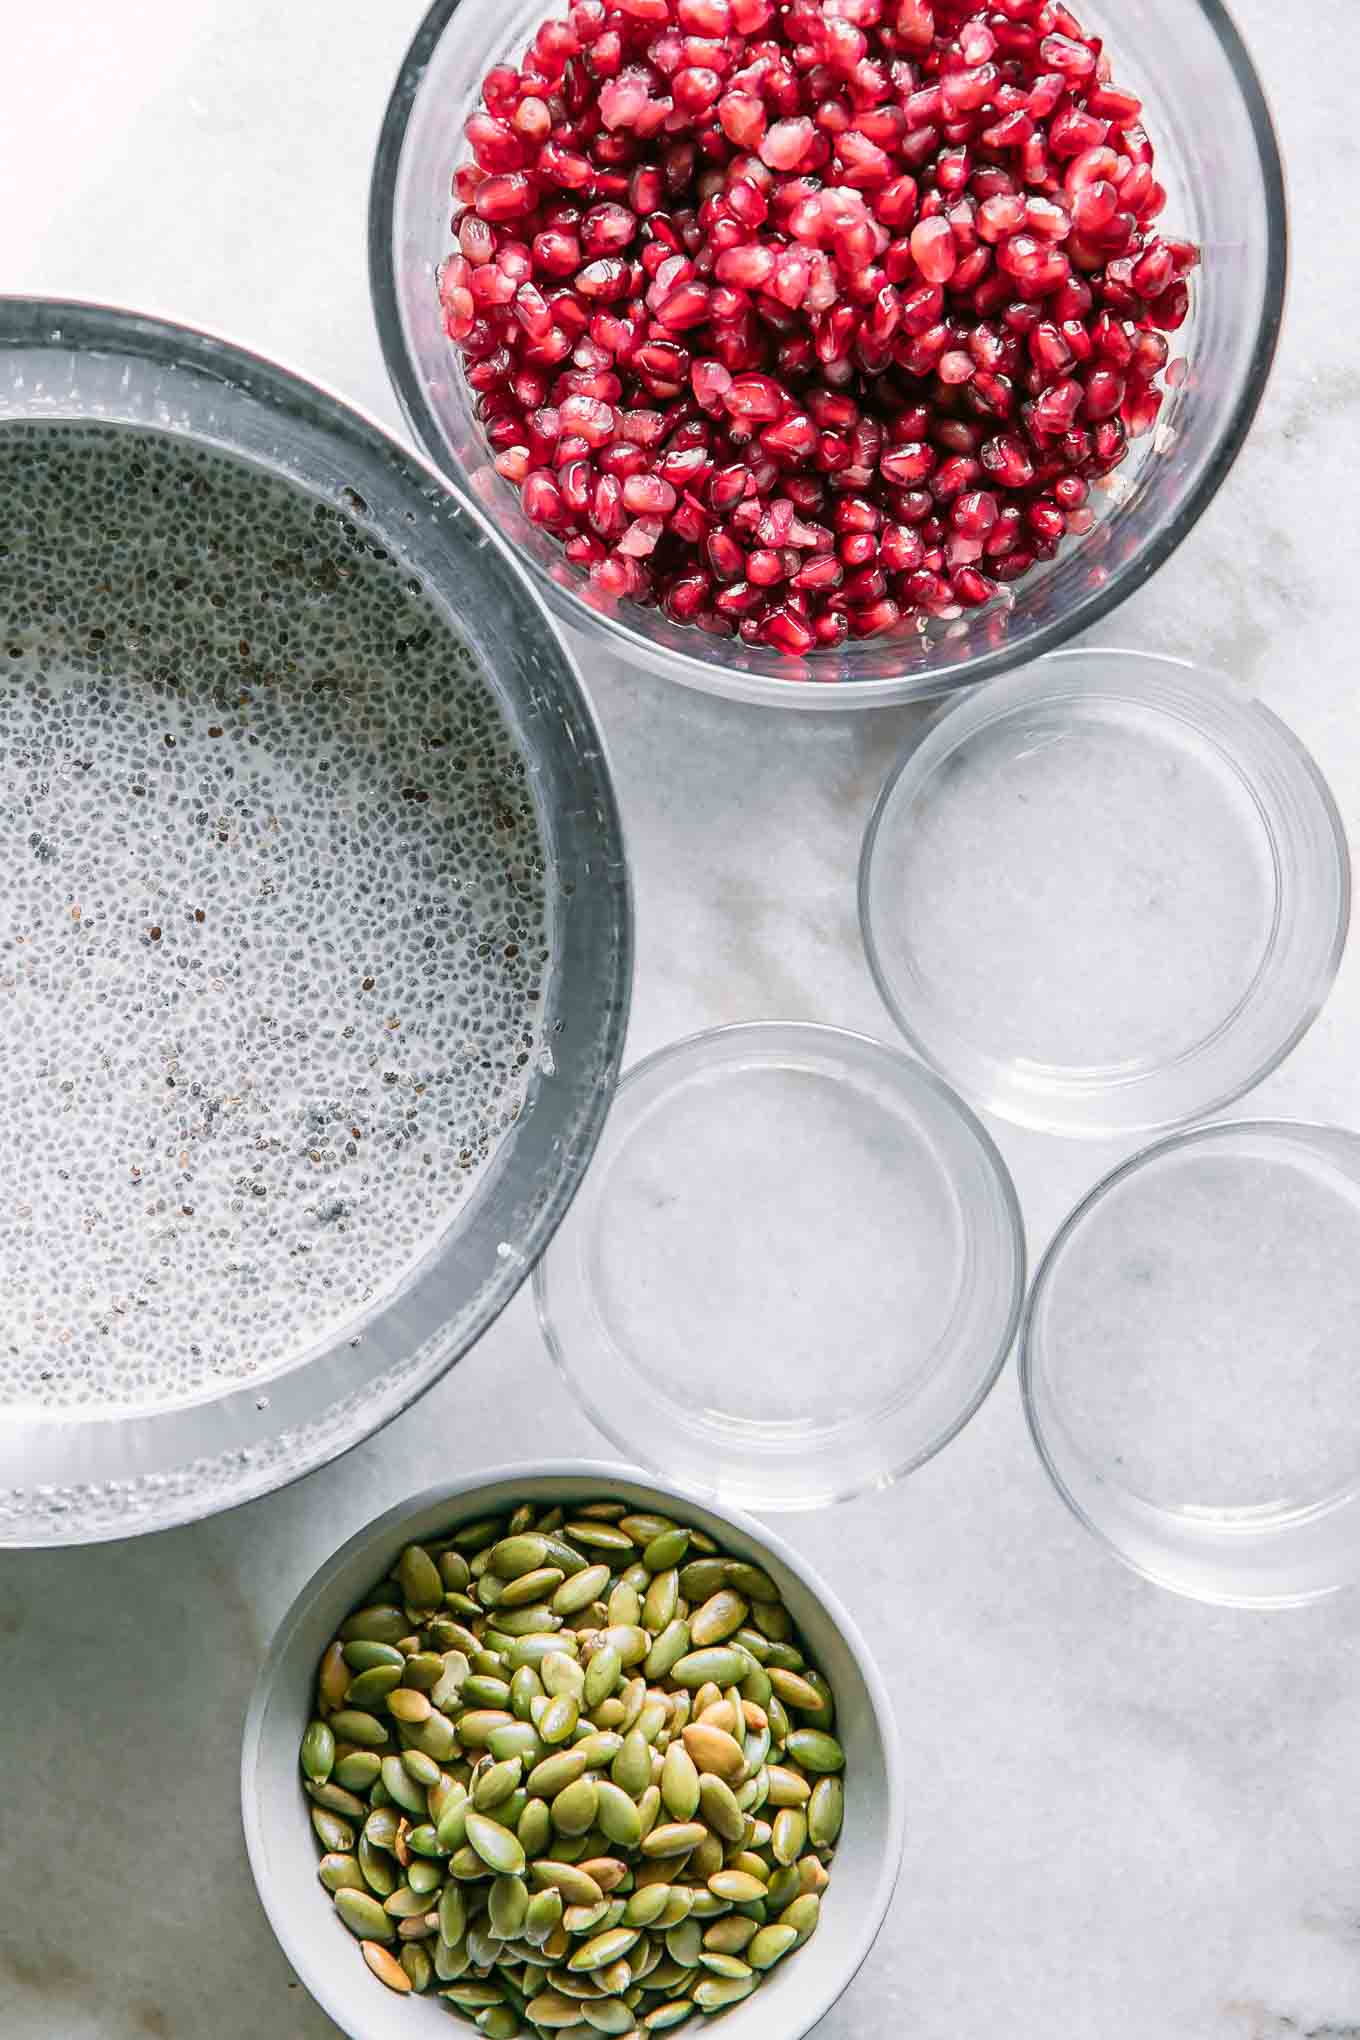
[[507, 1905], [815, 1750], [340, 1872], [720, 1664], [498, 1848], [573, 1810], [374, 1625], [363, 1916], [679, 1783]]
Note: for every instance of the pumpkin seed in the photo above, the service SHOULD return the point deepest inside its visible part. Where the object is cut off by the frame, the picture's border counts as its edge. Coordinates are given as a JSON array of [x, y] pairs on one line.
[[644, 1908], [720, 1964], [534, 1621], [603, 1949], [561, 1676], [717, 1803], [340, 1872], [515, 1739], [788, 1837], [418, 1966], [719, 1617], [435, 1737], [787, 1787], [668, 1647], [387, 1969], [575, 1886], [378, 1872], [599, 1748], [363, 1915], [538, 1585], [474, 1536], [597, 1536], [357, 1769], [454, 1571], [335, 1835], [673, 1838], [556, 1772], [573, 1810], [794, 1690], [716, 1993], [423, 1769], [803, 1915], [815, 1750], [507, 1906], [666, 1550], [352, 1725], [335, 1799], [608, 2015], [739, 1887], [452, 1912], [407, 1705], [498, 2022], [406, 1903], [713, 1749], [379, 1624], [480, 1690], [720, 1664], [660, 1603], [558, 1720], [531, 1650], [773, 1621], [544, 1913], [826, 1810], [668, 2015], [680, 1783], [497, 1847], [496, 1783], [402, 1788], [475, 1727], [550, 2009], [474, 1995], [451, 1827], [580, 1590], [515, 1556], [318, 1752]]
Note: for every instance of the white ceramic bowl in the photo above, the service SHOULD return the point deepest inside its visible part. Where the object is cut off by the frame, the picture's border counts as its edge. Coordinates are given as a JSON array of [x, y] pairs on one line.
[[283, 1850]]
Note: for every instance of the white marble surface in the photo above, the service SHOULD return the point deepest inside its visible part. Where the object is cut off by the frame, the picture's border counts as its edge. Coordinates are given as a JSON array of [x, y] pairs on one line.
[[1131, 1818]]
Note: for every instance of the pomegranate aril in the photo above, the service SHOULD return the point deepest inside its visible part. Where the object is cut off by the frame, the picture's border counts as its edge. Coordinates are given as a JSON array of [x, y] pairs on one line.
[[542, 500]]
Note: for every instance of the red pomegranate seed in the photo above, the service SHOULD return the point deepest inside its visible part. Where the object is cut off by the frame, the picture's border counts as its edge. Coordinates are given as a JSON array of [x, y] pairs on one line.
[[933, 250]]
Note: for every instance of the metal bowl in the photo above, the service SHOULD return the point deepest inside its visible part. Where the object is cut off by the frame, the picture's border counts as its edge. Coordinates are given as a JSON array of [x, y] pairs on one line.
[[81, 1460]]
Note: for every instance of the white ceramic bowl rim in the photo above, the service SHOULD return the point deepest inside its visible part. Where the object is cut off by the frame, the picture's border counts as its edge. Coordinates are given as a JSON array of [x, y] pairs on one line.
[[325, 1981]]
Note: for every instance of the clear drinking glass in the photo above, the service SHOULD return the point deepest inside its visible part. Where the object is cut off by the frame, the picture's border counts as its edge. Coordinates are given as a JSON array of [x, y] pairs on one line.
[[1216, 155]]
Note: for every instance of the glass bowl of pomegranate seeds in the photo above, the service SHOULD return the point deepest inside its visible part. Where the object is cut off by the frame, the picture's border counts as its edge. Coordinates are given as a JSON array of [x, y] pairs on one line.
[[838, 351]]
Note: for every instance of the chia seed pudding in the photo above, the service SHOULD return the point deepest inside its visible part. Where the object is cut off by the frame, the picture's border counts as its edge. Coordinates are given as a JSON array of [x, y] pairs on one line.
[[273, 931]]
